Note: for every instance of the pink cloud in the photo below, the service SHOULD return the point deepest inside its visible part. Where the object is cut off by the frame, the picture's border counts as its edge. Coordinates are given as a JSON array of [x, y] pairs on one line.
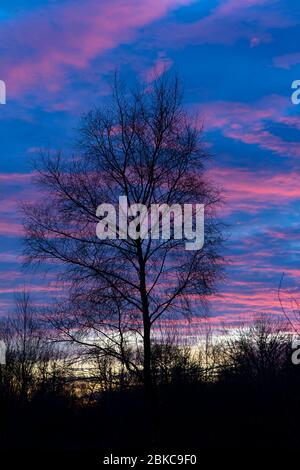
[[12, 290], [10, 276], [15, 177], [232, 6], [287, 61], [249, 122], [7, 257], [9, 228], [252, 191], [161, 65], [15, 188], [44, 45], [230, 21]]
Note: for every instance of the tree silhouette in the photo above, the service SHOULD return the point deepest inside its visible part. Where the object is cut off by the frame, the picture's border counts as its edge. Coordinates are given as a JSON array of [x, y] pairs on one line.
[[141, 145], [32, 361]]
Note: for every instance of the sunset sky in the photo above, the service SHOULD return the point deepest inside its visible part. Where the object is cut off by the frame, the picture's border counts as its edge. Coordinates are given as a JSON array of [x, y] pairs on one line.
[[237, 60]]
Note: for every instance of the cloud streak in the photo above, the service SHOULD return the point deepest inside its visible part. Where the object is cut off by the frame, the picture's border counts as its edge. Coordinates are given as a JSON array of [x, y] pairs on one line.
[[43, 47], [250, 123]]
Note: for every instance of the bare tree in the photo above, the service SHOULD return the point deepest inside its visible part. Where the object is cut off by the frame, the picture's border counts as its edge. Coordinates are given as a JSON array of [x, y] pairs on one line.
[[259, 351], [33, 362], [174, 360], [290, 307], [23, 338], [145, 147]]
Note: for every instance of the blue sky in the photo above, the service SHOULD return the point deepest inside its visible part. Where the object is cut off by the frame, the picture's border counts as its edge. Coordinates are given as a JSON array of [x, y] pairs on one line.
[[237, 60]]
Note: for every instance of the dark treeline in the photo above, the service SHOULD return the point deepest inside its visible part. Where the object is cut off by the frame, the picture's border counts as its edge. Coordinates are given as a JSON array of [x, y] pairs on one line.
[[99, 367], [239, 389]]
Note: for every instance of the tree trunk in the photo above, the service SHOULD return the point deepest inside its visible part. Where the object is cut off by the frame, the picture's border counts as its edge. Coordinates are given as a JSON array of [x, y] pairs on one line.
[[147, 359], [147, 373], [150, 405]]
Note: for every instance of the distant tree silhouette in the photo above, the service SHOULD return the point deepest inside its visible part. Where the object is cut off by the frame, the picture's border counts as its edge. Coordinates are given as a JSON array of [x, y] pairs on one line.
[[259, 352], [22, 336], [33, 362]]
